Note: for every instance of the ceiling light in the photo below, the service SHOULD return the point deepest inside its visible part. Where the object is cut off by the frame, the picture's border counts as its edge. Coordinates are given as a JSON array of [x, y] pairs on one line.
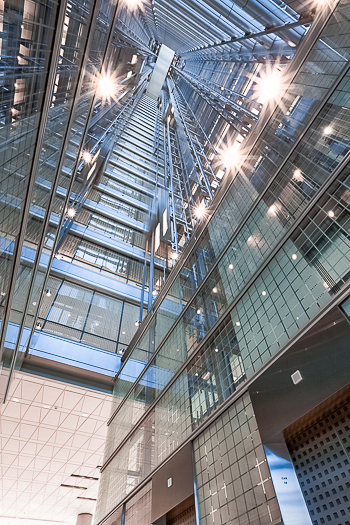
[[216, 350], [58, 256], [196, 374], [174, 255], [46, 406], [238, 323], [294, 256], [263, 293], [133, 60], [328, 130], [291, 44], [34, 303], [215, 290], [71, 213], [154, 293], [272, 208], [107, 87], [200, 210], [87, 157], [268, 85], [123, 332], [206, 376], [230, 266], [198, 311], [231, 156], [84, 415], [133, 5], [15, 399], [331, 213], [48, 292]]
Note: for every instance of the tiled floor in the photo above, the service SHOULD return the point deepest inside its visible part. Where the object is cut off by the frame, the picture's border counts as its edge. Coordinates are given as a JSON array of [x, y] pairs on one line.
[[49, 431]]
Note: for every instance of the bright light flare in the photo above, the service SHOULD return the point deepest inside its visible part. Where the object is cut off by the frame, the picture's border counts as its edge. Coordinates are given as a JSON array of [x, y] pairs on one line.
[[200, 210], [87, 157], [107, 86], [71, 213], [132, 6], [231, 156], [268, 86]]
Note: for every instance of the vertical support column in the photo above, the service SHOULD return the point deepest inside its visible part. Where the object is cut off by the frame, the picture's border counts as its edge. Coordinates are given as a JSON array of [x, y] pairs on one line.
[[143, 284], [84, 519], [151, 274], [196, 502], [288, 492]]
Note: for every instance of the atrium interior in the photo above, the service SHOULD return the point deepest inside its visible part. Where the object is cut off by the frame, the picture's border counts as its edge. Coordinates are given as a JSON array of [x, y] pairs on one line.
[[174, 262]]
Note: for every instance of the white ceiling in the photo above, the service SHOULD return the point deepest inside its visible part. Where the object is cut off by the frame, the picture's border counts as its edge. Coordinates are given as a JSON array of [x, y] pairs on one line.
[[50, 430]]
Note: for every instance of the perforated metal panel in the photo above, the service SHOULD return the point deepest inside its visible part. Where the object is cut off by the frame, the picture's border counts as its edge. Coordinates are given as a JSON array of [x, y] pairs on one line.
[[321, 457]]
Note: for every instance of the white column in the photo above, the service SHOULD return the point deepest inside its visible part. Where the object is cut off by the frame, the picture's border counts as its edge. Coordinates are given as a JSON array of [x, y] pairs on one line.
[[84, 519]]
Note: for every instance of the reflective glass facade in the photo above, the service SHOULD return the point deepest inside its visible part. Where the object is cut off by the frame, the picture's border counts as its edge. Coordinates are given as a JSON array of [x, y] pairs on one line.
[[196, 235]]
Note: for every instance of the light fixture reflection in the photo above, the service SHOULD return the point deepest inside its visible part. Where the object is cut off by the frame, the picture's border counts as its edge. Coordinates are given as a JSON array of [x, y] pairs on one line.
[[331, 213], [294, 256], [328, 130], [297, 175], [71, 213]]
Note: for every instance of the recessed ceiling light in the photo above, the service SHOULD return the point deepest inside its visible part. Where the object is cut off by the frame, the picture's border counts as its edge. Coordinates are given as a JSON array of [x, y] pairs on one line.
[[294, 256], [215, 290], [85, 415], [328, 130], [230, 266], [331, 213], [123, 332], [238, 323], [296, 377], [198, 311], [263, 293], [216, 349], [15, 399]]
